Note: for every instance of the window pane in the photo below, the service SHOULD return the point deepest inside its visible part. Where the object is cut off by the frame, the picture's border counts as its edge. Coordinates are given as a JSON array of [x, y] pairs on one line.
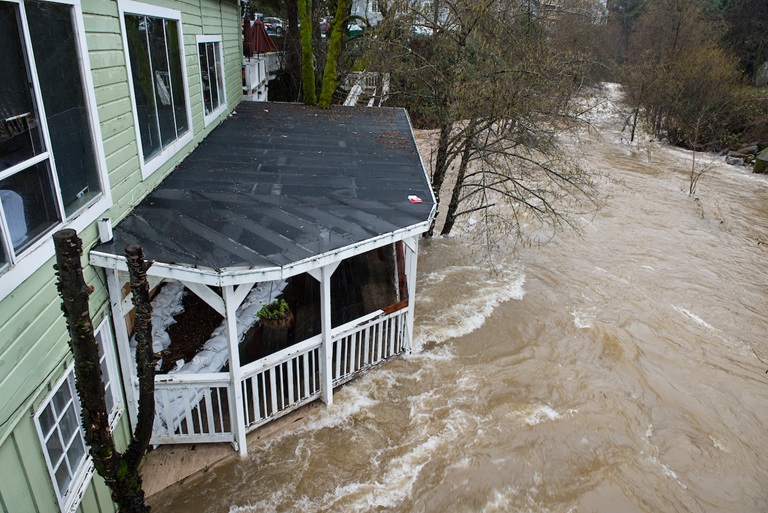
[[162, 79], [65, 107], [177, 79], [212, 70], [143, 88], [62, 398], [69, 423], [76, 452], [63, 478], [3, 256], [47, 420], [205, 77], [28, 202], [55, 449], [20, 136], [107, 384], [219, 66]]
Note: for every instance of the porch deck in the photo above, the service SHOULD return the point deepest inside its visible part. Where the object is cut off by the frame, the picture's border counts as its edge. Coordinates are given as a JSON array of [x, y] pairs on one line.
[[276, 192], [169, 465]]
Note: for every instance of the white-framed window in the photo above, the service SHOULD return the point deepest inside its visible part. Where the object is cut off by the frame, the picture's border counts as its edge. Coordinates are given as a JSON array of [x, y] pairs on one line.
[[61, 435], [154, 47], [52, 167], [211, 58]]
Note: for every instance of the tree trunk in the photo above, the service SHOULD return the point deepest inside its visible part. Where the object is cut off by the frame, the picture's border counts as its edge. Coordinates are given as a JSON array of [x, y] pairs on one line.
[[441, 167], [331, 71], [120, 471], [307, 59], [453, 206]]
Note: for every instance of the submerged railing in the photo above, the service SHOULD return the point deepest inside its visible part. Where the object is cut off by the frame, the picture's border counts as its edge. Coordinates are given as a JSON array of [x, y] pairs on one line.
[[368, 344], [192, 408], [198, 408], [281, 382]]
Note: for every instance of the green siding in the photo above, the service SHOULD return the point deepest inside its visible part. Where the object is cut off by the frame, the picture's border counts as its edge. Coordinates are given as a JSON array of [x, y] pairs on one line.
[[33, 340]]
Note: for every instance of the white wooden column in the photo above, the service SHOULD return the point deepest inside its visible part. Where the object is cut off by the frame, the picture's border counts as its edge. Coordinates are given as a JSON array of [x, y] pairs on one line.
[[130, 380], [411, 259], [232, 299], [323, 275]]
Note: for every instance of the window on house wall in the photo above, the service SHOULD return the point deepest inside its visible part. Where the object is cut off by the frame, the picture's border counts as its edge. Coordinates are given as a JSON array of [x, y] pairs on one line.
[[61, 436], [156, 58], [49, 165], [374, 6], [211, 76]]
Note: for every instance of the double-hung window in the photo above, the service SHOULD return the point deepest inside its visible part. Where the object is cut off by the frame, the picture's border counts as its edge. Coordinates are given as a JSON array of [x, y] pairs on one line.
[[211, 77], [61, 436], [51, 166], [154, 44]]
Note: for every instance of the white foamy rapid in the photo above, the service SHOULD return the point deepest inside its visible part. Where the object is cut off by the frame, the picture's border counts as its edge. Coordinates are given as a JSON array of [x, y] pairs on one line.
[[482, 290]]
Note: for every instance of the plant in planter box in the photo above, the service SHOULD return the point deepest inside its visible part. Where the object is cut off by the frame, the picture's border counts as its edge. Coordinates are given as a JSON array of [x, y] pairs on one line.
[[276, 314]]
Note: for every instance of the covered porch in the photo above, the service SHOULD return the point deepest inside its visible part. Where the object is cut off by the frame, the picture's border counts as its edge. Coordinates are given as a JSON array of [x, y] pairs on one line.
[[321, 207]]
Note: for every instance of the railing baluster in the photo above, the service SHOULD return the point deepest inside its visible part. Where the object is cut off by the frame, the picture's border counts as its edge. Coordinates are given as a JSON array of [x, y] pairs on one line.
[[274, 390], [209, 410], [380, 341], [167, 412], [291, 364]]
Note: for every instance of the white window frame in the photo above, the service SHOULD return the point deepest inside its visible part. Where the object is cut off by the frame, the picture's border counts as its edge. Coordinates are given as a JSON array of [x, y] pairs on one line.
[[31, 259], [218, 111], [141, 9], [70, 500]]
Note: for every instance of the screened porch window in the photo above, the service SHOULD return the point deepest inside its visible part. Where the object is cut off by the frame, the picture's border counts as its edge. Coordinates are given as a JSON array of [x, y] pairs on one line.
[[156, 63], [49, 170]]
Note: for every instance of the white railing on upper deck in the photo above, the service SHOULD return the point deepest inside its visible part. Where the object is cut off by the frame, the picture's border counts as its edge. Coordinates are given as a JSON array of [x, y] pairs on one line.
[[192, 408], [258, 71], [281, 382]]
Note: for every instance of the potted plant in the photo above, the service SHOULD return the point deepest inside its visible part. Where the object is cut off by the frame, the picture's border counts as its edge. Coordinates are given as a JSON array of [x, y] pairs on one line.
[[276, 314]]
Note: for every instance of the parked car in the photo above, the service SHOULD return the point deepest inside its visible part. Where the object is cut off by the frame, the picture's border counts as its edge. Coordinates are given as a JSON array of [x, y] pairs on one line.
[[274, 26], [325, 27], [421, 30], [355, 28]]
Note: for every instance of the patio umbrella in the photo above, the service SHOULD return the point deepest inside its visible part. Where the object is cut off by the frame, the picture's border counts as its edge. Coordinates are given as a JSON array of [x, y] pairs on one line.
[[256, 40]]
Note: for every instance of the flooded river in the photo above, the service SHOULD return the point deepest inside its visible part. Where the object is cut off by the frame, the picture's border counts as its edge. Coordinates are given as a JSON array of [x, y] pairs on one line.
[[622, 369]]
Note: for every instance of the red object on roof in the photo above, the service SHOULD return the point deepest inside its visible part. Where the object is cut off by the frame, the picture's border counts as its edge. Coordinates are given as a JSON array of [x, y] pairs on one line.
[[255, 39]]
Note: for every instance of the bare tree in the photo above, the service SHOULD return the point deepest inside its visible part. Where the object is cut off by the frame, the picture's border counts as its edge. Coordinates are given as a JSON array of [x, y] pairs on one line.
[[119, 470], [500, 93]]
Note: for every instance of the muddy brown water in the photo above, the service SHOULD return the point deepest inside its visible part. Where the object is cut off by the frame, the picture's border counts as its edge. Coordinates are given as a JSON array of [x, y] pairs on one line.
[[619, 370]]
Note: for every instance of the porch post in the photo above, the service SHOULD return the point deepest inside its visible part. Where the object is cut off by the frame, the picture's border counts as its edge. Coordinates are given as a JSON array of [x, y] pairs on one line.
[[130, 380], [323, 275], [236, 410], [411, 259], [326, 354]]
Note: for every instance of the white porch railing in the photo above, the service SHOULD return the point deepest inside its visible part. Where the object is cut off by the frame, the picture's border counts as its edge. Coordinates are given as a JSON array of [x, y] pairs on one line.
[[281, 382], [192, 408], [196, 407], [368, 344]]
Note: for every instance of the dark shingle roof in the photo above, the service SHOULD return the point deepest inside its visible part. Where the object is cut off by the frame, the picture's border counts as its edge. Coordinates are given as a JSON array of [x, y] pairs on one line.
[[277, 183]]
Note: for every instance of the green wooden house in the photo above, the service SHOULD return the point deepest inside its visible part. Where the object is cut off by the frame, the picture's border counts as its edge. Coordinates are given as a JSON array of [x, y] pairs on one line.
[[118, 111], [99, 101]]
